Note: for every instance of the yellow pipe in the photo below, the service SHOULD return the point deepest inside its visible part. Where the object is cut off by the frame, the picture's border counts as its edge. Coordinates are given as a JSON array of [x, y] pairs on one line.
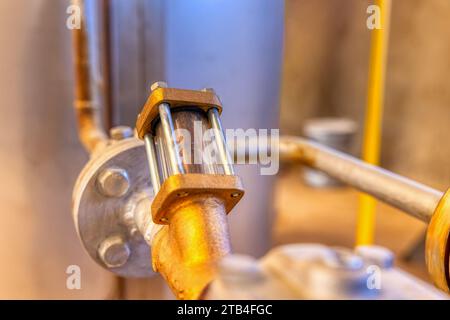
[[373, 121]]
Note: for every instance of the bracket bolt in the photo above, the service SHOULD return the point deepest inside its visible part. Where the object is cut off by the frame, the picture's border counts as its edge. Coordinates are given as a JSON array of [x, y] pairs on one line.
[[114, 252], [120, 132], [113, 182]]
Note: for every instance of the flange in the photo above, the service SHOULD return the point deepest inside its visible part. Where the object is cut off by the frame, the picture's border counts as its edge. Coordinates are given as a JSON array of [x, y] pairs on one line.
[[110, 192]]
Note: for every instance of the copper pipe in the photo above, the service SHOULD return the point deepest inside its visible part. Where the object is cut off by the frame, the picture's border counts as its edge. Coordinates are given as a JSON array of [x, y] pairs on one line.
[[90, 129], [106, 58]]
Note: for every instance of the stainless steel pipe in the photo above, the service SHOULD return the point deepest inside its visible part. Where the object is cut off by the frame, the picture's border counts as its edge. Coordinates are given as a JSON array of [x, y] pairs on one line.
[[170, 140], [407, 195], [152, 162], [224, 155]]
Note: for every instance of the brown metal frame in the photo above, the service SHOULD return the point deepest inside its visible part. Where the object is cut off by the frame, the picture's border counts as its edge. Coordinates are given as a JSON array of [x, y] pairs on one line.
[[227, 189], [176, 98]]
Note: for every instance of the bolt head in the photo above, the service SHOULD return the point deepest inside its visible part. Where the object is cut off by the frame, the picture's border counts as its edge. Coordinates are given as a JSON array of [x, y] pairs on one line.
[[113, 182], [114, 252], [157, 85], [120, 132]]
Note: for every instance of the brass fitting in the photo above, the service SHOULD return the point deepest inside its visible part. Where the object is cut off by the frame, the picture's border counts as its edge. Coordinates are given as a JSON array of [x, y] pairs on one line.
[[191, 201], [195, 207], [186, 251], [175, 98], [227, 189], [437, 250]]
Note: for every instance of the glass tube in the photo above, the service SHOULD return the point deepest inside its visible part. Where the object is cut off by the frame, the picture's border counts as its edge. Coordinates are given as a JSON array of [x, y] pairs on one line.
[[195, 143]]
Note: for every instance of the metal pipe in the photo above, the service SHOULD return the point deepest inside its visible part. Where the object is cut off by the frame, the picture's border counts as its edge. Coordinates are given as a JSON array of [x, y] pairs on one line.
[[161, 158], [90, 130], [106, 59], [170, 139], [365, 226], [187, 251], [152, 163], [407, 195], [214, 120]]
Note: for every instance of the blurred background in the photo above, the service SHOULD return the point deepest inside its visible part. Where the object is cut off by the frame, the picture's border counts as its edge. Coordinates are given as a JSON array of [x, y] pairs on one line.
[[274, 63]]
